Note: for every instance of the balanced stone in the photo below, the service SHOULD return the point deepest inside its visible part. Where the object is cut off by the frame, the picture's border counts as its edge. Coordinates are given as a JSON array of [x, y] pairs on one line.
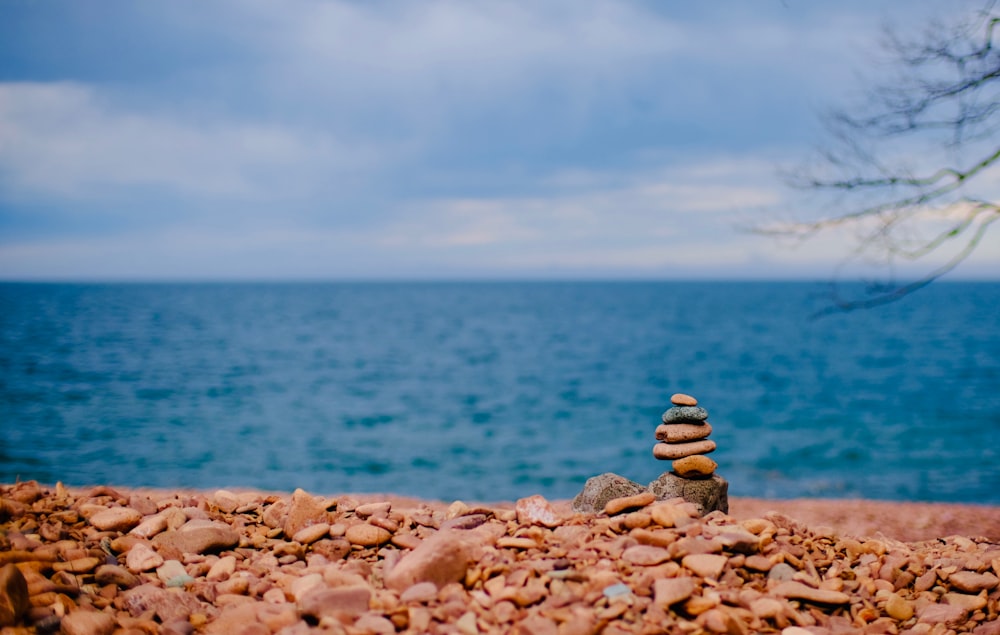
[[708, 494], [598, 490], [680, 432], [680, 399], [672, 451], [685, 414], [697, 466]]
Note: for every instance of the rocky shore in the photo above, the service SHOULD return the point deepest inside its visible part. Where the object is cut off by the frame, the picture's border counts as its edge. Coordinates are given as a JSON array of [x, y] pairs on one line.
[[110, 560]]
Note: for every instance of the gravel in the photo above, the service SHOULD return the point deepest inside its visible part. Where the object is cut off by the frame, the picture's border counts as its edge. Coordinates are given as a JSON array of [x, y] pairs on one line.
[[112, 560]]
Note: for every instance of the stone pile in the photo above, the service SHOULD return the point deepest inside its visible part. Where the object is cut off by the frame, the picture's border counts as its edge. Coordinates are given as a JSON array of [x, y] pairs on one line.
[[683, 439]]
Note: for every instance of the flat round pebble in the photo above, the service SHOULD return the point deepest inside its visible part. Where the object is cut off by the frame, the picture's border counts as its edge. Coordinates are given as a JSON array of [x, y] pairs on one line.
[[312, 533], [694, 466], [618, 505], [680, 399], [116, 519], [685, 414], [367, 535], [645, 555], [670, 591], [680, 432], [673, 451], [971, 582], [799, 591]]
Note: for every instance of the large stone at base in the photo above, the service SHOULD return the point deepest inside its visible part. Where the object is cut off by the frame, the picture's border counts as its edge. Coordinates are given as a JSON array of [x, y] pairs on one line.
[[707, 494], [598, 490]]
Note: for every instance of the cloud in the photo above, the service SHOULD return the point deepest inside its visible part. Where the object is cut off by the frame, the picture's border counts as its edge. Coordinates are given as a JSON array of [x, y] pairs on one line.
[[441, 138], [68, 140], [637, 222]]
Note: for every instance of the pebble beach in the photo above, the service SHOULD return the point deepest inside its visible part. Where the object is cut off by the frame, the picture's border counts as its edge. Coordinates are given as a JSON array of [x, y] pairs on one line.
[[106, 560]]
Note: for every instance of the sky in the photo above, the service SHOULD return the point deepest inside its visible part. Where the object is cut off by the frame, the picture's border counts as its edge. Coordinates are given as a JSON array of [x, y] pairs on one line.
[[433, 139]]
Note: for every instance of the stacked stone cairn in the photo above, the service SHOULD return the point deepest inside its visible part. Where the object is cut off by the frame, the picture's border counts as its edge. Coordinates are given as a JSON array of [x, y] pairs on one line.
[[683, 439]]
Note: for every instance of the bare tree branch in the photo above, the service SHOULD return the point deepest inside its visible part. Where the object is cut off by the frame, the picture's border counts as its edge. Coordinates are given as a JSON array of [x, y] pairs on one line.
[[880, 172]]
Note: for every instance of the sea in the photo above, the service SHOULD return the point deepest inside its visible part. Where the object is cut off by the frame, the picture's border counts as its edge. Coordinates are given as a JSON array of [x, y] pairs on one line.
[[492, 391]]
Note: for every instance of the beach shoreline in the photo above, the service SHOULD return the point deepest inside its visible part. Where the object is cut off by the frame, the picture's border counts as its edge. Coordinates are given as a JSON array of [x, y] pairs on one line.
[[108, 560], [906, 521]]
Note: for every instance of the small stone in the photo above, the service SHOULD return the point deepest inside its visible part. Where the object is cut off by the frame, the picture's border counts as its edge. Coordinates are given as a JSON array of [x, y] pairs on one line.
[[799, 591], [456, 509], [697, 466], [468, 521], [226, 501], [708, 495], [618, 505], [987, 628], [680, 399], [142, 558], [898, 608], [672, 451], [312, 533], [598, 490], [374, 624], [645, 555], [685, 414], [617, 591], [758, 563], [143, 504], [535, 510], [370, 509], [536, 624], [85, 622], [222, 569], [116, 575], [681, 432], [670, 591], [367, 535], [739, 540], [14, 599], [304, 510], [970, 582], [442, 558], [150, 526], [510, 542], [116, 519], [302, 585], [275, 514], [466, 625], [669, 514], [195, 538], [967, 602], [420, 592], [767, 608], [167, 604], [406, 541], [781, 572], [77, 565], [941, 614], [705, 565], [171, 571], [321, 601], [274, 595]]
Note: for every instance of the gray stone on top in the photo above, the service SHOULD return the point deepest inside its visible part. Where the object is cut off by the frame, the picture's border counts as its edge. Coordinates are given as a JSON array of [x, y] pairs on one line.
[[598, 490], [708, 495], [685, 414]]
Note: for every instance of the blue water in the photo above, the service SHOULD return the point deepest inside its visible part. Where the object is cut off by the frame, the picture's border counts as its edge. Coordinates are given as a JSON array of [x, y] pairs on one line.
[[493, 391]]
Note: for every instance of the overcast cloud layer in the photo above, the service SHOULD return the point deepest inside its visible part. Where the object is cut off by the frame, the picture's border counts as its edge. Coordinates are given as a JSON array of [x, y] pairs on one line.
[[437, 139]]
